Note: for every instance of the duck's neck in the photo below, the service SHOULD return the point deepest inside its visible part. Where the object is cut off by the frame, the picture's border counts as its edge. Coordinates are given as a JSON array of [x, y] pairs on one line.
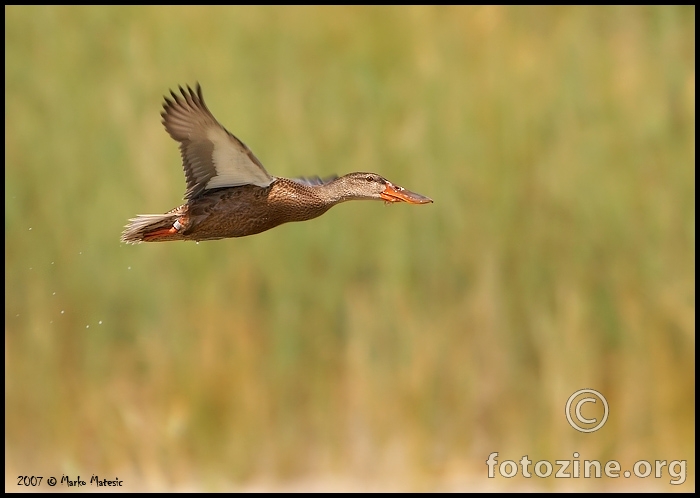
[[337, 191], [295, 201]]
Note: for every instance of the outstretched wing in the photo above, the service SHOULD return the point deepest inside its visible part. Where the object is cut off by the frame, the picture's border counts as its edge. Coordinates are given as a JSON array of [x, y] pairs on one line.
[[211, 156], [314, 180]]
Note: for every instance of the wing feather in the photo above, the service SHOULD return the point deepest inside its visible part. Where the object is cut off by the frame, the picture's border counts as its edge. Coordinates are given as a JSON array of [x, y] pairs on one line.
[[314, 180], [212, 157]]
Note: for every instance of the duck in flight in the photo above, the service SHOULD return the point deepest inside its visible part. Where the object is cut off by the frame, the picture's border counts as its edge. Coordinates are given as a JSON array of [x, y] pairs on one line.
[[229, 192]]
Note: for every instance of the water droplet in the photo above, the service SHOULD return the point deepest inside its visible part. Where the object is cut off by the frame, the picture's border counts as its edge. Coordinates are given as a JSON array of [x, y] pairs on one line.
[[51, 321], [53, 294], [30, 228], [62, 311], [30, 267], [87, 326], [99, 323], [51, 262], [17, 314], [129, 268], [81, 252], [197, 242]]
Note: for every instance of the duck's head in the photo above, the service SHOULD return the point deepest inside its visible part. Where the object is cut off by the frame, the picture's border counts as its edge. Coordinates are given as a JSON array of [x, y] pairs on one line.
[[373, 186]]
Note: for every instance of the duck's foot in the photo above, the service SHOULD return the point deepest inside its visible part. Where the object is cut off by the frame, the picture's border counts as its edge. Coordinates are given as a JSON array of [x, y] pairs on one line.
[[163, 232]]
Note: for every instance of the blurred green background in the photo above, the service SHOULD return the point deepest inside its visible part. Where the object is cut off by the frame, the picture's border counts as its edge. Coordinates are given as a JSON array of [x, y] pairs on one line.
[[375, 347]]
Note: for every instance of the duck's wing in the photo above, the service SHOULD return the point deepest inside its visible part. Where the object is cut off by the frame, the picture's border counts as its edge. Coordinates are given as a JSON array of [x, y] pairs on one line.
[[314, 180], [211, 156]]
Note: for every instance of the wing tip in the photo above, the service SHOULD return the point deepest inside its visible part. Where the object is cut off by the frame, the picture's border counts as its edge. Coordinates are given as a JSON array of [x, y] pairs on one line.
[[196, 96]]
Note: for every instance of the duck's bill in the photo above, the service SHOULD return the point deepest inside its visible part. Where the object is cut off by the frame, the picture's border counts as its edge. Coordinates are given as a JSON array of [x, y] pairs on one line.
[[394, 193]]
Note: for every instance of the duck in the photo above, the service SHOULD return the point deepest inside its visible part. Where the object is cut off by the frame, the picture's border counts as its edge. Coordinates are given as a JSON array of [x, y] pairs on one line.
[[228, 191]]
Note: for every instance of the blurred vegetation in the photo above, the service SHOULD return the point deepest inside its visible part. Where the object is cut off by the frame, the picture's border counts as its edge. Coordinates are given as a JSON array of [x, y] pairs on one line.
[[383, 347]]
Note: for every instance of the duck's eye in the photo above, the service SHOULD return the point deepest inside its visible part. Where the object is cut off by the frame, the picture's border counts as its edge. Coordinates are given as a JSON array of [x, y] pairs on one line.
[[369, 178]]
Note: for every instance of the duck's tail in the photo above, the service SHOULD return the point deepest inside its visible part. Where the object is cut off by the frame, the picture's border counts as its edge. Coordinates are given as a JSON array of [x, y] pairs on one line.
[[152, 228]]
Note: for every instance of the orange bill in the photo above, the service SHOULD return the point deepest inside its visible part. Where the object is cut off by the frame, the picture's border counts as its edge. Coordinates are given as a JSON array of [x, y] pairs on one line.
[[394, 193]]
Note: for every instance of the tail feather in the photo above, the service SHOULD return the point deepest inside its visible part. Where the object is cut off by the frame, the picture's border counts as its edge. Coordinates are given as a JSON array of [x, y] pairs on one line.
[[139, 228]]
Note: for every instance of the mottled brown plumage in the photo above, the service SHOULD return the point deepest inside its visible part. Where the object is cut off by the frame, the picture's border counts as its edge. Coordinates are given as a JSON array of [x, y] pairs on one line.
[[229, 193]]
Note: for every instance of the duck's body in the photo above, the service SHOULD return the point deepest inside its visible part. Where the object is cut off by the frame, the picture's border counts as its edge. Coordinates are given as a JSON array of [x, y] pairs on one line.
[[239, 211], [229, 193]]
